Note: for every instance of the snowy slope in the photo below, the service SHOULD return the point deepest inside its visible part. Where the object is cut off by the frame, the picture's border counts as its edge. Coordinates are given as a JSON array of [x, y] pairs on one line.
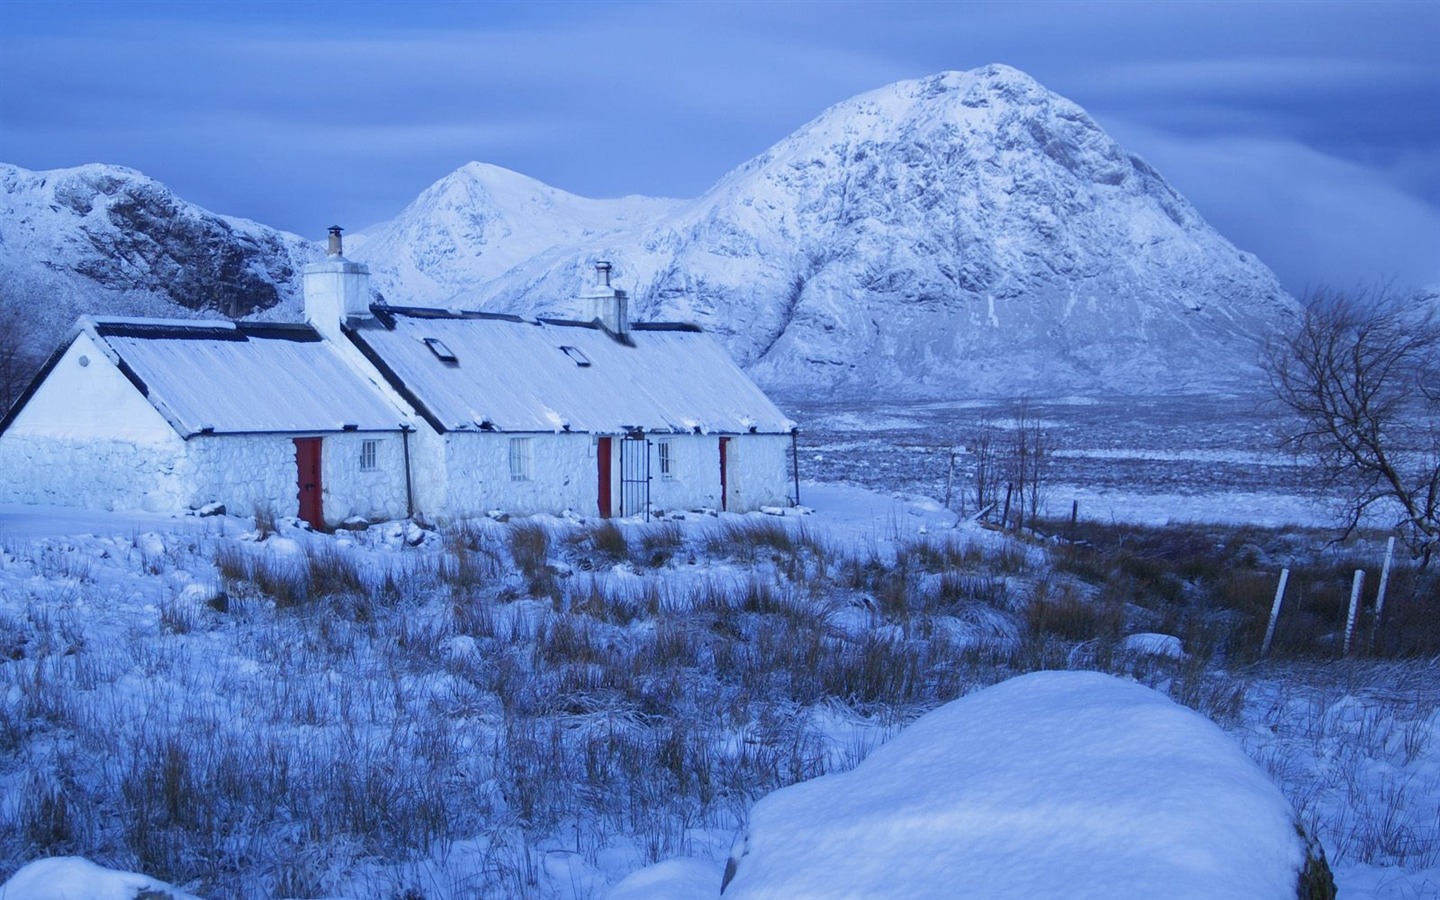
[[477, 223], [965, 232], [107, 240]]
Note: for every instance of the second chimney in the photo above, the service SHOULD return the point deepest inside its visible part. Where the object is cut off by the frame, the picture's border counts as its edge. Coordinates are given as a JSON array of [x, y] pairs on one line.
[[607, 305], [336, 289]]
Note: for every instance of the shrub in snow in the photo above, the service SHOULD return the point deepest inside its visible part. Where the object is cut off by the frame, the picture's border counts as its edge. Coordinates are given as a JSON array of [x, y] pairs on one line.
[[1054, 784]]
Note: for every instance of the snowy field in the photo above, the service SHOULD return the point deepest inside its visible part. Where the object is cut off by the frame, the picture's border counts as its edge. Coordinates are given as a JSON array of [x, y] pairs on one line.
[[1145, 460], [542, 707]]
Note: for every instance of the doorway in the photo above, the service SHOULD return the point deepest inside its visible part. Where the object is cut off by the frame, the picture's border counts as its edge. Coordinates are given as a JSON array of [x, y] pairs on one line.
[[635, 476], [602, 464], [727, 477], [307, 466]]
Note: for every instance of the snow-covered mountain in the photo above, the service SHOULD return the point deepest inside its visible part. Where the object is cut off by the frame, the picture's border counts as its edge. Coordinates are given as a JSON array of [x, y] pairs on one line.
[[965, 233], [477, 223], [107, 240]]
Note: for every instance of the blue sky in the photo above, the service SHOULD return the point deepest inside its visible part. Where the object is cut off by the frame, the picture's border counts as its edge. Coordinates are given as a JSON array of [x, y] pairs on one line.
[[1306, 132]]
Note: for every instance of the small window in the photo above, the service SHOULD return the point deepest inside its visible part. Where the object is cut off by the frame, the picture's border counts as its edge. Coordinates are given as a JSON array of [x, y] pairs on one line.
[[442, 352], [667, 461], [521, 459], [576, 354], [369, 452]]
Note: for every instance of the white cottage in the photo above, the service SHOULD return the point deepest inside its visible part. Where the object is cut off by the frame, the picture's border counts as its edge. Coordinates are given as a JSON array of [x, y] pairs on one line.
[[382, 412], [168, 415]]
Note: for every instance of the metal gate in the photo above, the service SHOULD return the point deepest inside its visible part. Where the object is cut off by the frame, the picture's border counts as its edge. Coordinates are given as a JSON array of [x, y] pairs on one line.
[[635, 476]]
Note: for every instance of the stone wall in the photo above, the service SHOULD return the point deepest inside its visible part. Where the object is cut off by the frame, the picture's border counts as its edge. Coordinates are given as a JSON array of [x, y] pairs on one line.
[[94, 473], [246, 472], [759, 472], [565, 473], [562, 474]]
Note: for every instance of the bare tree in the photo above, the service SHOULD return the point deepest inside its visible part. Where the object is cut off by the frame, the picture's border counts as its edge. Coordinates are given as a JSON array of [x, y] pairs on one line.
[[985, 483], [1359, 381], [1028, 463], [18, 358]]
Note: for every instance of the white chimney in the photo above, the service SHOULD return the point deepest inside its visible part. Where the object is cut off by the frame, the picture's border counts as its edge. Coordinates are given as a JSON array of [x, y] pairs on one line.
[[606, 304], [336, 289]]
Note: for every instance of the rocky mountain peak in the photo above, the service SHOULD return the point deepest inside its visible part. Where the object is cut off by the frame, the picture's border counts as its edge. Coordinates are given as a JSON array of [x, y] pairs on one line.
[[73, 235]]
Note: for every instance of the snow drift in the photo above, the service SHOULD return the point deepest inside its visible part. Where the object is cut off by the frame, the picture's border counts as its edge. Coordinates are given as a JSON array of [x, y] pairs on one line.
[[74, 878], [1054, 784]]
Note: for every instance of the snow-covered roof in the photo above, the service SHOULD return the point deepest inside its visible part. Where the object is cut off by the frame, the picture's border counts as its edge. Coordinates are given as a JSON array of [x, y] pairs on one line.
[[482, 372], [226, 377]]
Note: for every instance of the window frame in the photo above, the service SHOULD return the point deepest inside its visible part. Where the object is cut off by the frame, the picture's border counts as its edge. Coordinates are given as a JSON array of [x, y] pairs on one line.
[[522, 459], [665, 452], [370, 455]]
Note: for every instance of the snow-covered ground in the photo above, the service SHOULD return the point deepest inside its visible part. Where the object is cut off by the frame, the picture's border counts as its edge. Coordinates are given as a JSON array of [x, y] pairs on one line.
[[488, 725]]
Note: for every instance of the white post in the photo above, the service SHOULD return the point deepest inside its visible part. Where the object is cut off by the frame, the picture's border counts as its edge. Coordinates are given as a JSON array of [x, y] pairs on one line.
[[1274, 613], [1380, 593], [949, 478], [1354, 607]]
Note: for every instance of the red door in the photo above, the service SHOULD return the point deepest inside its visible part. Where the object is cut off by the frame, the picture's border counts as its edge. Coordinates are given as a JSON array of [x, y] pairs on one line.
[[724, 490], [602, 463], [307, 465]]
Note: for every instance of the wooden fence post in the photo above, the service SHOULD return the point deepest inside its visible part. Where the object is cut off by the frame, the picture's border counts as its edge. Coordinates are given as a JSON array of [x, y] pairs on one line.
[[1274, 613], [1354, 607]]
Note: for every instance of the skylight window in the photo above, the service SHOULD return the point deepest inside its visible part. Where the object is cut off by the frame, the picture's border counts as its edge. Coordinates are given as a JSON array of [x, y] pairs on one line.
[[576, 354], [442, 352]]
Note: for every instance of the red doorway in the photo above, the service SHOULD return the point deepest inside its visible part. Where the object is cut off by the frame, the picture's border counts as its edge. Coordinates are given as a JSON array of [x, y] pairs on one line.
[[602, 463], [307, 465]]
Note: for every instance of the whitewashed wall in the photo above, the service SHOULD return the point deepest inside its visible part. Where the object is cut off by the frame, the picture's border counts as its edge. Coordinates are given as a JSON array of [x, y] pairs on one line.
[[565, 475], [477, 469], [695, 463], [378, 494], [250, 472], [88, 438], [758, 471], [86, 396], [94, 473], [428, 466]]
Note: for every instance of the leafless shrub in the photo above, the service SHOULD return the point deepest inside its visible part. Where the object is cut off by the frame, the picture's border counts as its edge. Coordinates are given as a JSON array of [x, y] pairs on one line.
[[605, 539], [1062, 612], [529, 546], [266, 521], [330, 572]]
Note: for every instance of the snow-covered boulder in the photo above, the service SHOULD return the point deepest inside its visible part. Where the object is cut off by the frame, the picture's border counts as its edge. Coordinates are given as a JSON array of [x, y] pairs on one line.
[[74, 878], [1055, 784], [672, 879]]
